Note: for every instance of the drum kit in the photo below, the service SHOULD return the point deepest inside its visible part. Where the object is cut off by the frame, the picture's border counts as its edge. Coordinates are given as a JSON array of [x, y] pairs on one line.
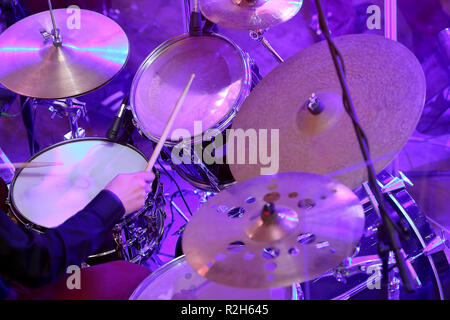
[[311, 227]]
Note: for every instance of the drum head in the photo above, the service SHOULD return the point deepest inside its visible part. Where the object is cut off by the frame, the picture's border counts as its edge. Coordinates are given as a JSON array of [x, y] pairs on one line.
[[177, 281], [48, 196], [221, 83]]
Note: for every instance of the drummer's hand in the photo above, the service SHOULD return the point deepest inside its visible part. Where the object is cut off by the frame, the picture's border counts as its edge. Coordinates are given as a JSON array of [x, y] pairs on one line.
[[132, 189]]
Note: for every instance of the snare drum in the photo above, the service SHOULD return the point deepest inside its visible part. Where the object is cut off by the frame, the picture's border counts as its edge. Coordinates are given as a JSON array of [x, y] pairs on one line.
[[42, 198], [177, 281], [224, 77]]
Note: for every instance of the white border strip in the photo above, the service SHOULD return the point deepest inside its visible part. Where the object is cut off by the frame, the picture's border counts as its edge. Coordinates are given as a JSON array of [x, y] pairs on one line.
[[390, 19]]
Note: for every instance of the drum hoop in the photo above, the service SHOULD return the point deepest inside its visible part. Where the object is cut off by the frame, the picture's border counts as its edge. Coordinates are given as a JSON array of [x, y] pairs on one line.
[[16, 212], [225, 121], [155, 275], [172, 264], [201, 184]]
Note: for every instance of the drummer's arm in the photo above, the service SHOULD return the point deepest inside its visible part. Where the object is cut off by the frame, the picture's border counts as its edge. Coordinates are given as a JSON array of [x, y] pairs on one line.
[[34, 259]]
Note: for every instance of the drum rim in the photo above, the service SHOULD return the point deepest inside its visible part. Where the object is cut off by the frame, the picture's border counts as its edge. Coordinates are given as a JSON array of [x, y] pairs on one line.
[[155, 275], [172, 264], [202, 185], [226, 119], [16, 212]]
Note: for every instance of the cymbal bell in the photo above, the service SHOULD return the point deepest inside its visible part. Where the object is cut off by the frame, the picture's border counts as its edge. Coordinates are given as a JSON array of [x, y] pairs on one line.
[[91, 54], [387, 85], [273, 231], [249, 14]]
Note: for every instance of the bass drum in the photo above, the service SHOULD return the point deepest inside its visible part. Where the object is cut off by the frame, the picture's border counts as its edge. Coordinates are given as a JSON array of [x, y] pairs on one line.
[[177, 281], [224, 77], [359, 277], [43, 198]]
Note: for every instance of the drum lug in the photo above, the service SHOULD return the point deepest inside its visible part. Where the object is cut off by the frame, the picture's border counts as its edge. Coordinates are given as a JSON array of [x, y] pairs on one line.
[[394, 185], [405, 179], [436, 245]]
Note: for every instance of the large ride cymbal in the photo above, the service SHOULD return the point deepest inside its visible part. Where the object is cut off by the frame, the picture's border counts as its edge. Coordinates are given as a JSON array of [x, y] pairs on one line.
[[388, 88], [249, 14], [92, 53], [316, 224]]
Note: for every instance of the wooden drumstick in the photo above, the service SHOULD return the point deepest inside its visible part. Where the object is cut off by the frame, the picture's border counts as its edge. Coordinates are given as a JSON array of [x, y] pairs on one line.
[[169, 124], [20, 165]]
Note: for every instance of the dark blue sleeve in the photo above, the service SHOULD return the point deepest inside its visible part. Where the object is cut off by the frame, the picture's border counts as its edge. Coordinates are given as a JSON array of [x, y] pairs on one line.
[[35, 259]]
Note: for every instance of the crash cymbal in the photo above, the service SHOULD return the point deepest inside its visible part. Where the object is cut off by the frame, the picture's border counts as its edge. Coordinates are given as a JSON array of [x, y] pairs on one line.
[[92, 53], [249, 14], [313, 225], [387, 85]]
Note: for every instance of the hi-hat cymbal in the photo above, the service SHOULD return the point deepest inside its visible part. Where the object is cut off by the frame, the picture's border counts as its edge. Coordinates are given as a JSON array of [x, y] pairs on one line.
[[249, 14], [388, 88], [316, 223], [94, 49]]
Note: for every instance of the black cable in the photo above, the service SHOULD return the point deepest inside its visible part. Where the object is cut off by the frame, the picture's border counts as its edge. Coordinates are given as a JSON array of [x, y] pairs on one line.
[[389, 228], [178, 187], [350, 109]]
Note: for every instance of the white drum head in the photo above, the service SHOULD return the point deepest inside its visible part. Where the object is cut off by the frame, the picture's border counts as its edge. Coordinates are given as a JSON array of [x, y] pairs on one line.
[[177, 281], [48, 196], [221, 83]]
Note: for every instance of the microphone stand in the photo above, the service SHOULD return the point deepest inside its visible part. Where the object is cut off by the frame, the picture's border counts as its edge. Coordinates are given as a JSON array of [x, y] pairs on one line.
[[388, 232]]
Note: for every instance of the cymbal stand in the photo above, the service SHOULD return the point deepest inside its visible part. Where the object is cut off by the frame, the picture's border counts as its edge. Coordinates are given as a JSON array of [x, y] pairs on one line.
[[258, 35], [73, 110], [389, 233], [187, 14], [54, 34]]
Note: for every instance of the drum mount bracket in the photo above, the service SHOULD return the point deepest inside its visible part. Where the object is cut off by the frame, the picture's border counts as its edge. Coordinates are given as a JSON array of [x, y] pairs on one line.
[[73, 110]]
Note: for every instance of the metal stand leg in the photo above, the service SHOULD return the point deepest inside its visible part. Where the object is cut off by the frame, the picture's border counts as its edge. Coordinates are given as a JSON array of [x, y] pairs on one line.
[[258, 36], [28, 121], [72, 109], [187, 14]]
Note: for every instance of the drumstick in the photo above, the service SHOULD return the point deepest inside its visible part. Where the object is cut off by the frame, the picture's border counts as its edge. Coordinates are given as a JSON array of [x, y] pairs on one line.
[[20, 165], [169, 124]]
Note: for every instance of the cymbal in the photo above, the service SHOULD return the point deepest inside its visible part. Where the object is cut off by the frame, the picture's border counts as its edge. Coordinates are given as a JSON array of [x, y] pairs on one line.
[[249, 14], [388, 88], [317, 222], [92, 53]]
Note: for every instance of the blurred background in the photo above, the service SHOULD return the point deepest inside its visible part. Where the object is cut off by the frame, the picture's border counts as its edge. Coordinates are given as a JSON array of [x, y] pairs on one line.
[[425, 160]]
